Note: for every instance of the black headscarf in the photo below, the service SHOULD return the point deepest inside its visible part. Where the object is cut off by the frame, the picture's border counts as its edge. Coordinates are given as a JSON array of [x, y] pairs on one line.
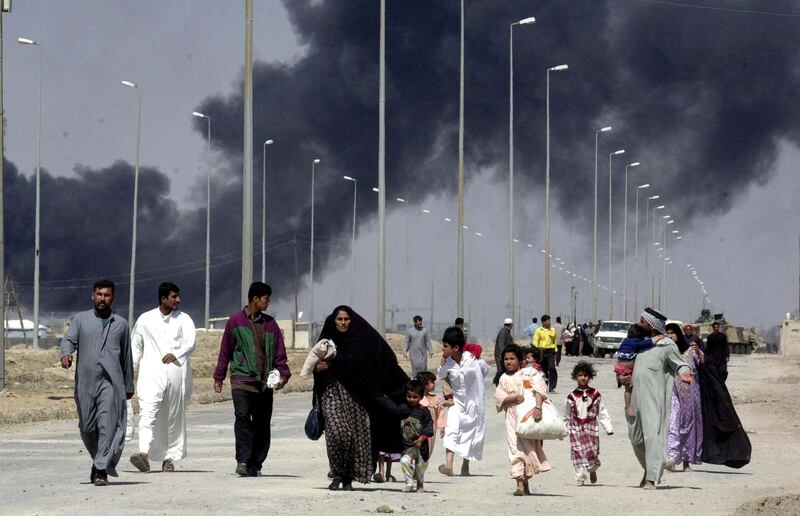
[[682, 344], [367, 367]]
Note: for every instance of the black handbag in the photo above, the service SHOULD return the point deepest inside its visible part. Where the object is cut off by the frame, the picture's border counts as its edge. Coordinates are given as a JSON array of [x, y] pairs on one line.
[[315, 422]]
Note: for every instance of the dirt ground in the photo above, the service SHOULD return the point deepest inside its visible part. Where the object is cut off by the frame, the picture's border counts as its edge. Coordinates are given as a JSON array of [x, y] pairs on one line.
[[39, 389], [763, 388]]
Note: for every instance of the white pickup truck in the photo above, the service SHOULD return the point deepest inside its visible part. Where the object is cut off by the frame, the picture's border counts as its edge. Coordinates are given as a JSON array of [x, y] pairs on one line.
[[609, 336]]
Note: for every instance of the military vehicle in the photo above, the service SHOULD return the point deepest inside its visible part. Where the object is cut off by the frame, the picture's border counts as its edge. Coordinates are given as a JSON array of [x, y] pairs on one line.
[[742, 341]]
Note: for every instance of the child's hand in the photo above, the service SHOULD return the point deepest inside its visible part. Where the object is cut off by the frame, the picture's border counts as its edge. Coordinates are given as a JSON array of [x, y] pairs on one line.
[[418, 442]]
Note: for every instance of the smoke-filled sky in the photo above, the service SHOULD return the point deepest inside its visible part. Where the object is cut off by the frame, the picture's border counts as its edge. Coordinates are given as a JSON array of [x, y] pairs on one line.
[[705, 99]]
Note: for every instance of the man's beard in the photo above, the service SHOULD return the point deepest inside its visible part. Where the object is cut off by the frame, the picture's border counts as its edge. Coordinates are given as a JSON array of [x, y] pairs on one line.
[[102, 311]]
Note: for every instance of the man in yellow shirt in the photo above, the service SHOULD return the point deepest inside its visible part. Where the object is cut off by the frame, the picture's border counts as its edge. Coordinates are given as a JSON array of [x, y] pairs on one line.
[[545, 341]]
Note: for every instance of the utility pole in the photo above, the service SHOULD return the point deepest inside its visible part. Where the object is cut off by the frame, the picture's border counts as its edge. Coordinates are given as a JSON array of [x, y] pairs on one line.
[[6, 8], [294, 323], [247, 182]]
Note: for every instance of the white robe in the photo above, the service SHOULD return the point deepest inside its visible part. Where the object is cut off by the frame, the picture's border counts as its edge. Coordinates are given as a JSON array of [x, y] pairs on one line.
[[163, 389], [466, 419]]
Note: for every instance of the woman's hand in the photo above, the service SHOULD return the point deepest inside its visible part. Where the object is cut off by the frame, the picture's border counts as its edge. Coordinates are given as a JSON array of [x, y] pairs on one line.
[[537, 413], [321, 366], [625, 379]]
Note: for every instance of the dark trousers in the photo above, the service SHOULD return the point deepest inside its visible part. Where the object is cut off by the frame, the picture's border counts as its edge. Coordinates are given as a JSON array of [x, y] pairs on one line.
[[253, 411], [549, 366]]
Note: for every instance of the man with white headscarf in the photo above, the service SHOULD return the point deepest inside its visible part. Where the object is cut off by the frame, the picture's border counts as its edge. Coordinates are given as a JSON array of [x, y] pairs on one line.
[[652, 381]]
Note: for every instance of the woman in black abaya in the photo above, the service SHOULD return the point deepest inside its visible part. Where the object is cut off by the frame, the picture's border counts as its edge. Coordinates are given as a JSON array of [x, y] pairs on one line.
[[359, 391]]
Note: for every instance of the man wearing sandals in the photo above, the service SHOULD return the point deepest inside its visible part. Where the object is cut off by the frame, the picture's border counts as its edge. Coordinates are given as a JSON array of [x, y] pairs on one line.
[[103, 379], [162, 341]]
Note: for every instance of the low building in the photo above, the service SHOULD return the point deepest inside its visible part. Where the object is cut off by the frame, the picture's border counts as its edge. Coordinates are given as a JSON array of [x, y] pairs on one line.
[[790, 337], [15, 330]]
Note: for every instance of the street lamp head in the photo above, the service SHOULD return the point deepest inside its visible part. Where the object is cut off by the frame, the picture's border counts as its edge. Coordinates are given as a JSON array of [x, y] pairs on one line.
[[425, 211], [199, 114], [634, 164], [269, 142], [654, 197], [375, 189], [666, 217], [558, 68], [478, 234], [530, 245], [678, 237], [465, 227], [349, 178], [660, 207], [316, 162], [671, 221], [26, 41], [621, 151], [526, 21], [448, 219], [400, 199], [675, 231], [129, 84], [605, 129]]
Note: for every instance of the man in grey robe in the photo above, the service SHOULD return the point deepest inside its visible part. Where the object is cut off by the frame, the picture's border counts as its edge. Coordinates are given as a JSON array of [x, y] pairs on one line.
[[103, 379], [651, 399], [418, 347]]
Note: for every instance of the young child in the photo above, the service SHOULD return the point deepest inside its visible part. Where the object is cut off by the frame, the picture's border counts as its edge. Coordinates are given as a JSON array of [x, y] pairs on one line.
[[526, 455], [434, 403], [416, 426], [531, 359], [628, 349], [584, 408], [466, 419]]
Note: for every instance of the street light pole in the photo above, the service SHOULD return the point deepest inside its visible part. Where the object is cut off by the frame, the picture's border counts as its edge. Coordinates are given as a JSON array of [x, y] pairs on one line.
[[408, 280], [264, 210], [511, 285], [653, 244], [594, 261], [547, 195], [382, 173], [610, 286], [207, 304], [311, 255], [636, 245], [247, 183], [38, 214], [6, 7], [625, 243], [353, 240], [135, 201], [460, 268]]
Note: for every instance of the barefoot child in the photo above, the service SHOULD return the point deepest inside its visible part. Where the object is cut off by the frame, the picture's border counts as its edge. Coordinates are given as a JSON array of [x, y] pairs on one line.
[[416, 426], [635, 343], [525, 455], [583, 410], [434, 403], [464, 431]]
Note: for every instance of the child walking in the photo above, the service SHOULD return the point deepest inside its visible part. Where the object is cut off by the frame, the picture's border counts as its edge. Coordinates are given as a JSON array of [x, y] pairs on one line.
[[416, 426], [628, 349], [435, 404], [466, 419], [583, 410], [526, 455]]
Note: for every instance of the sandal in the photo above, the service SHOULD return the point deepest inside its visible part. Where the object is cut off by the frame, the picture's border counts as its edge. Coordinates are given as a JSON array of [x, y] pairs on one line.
[[377, 477], [444, 470]]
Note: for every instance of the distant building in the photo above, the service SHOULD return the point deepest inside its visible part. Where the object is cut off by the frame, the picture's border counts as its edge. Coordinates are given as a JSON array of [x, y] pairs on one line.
[[790, 337], [15, 331]]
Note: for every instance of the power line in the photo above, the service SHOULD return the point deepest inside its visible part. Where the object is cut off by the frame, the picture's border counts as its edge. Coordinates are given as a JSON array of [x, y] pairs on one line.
[[722, 9]]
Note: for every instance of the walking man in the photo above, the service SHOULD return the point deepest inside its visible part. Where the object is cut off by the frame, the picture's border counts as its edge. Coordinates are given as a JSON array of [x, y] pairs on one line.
[[545, 341], [652, 381], [530, 330], [418, 347], [162, 341], [718, 352], [504, 338], [103, 379], [252, 344]]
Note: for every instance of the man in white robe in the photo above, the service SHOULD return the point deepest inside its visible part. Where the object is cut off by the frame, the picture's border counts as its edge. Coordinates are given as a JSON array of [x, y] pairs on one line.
[[651, 399], [466, 419], [162, 341]]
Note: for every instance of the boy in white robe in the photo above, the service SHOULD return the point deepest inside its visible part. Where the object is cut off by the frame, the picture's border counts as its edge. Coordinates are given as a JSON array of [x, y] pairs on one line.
[[162, 341], [466, 419]]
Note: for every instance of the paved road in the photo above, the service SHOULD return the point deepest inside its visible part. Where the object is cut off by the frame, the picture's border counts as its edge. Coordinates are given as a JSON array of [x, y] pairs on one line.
[[44, 469]]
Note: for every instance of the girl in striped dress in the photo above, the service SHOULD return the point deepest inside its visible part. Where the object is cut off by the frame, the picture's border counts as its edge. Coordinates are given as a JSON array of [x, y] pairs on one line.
[[583, 410]]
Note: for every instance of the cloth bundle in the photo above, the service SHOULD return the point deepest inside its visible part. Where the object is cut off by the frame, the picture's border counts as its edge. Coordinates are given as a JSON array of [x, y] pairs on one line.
[[551, 426], [323, 350]]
